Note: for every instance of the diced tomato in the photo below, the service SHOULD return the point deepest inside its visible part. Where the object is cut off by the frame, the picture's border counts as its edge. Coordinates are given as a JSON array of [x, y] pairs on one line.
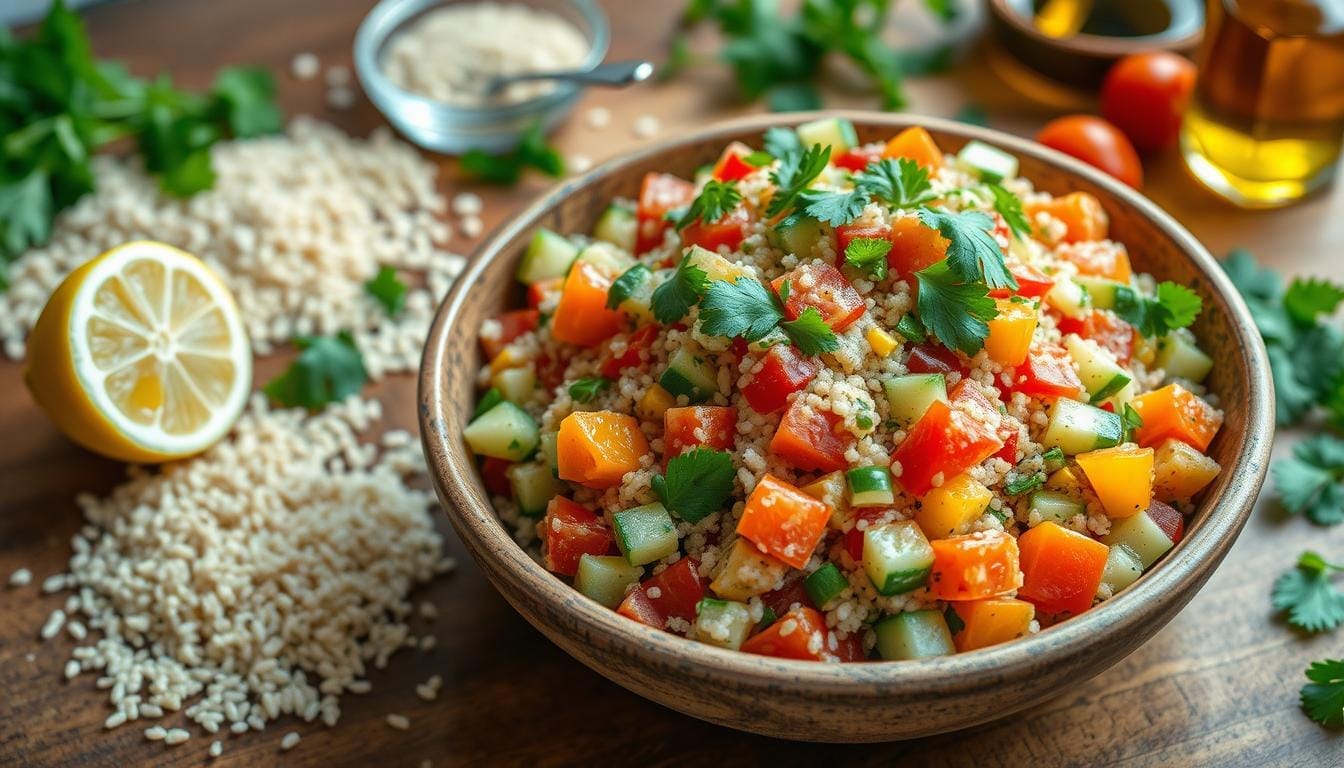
[[678, 589], [711, 426], [1169, 519], [538, 291], [1107, 329], [799, 634], [570, 531], [914, 246], [783, 372], [824, 288], [808, 439], [782, 521], [1110, 262], [782, 600], [848, 233], [495, 474], [658, 194], [731, 165], [946, 440], [582, 316], [511, 325], [858, 158], [550, 371], [1031, 282], [729, 230], [849, 650], [1047, 374], [633, 356], [972, 396], [974, 566], [1061, 569], [854, 536], [1176, 412], [931, 358], [637, 606], [1009, 450]]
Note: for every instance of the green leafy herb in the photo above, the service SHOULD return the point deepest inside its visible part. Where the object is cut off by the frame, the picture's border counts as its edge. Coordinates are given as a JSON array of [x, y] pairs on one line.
[[972, 253], [1174, 306], [796, 170], [810, 333], [870, 255], [1010, 208], [1309, 298], [779, 142], [759, 158], [910, 327], [1311, 481], [327, 370], [490, 399], [586, 389], [955, 311], [741, 308], [697, 483], [792, 97], [1313, 603], [900, 183], [1130, 422], [1025, 484], [625, 286], [835, 208], [1323, 697], [715, 199], [507, 168], [387, 290], [676, 295]]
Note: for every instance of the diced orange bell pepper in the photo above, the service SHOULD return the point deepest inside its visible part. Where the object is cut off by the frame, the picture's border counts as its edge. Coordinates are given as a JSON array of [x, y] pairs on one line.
[[1081, 213], [582, 316], [808, 439], [597, 448], [990, 622], [915, 143], [1061, 569], [1122, 478], [798, 634], [782, 521], [914, 246], [1174, 411], [1110, 262], [974, 566], [1010, 333]]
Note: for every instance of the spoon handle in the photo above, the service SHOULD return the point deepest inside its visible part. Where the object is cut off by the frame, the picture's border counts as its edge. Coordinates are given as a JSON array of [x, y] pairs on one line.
[[614, 73]]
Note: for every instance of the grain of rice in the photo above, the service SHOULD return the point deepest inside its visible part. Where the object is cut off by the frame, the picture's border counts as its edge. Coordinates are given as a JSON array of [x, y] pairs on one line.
[[72, 669], [400, 722], [21, 578], [579, 163], [54, 582], [53, 625], [305, 65], [176, 736], [290, 741], [471, 226], [216, 748], [428, 611], [155, 733], [115, 720], [468, 204], [338, 74], [598, 117]]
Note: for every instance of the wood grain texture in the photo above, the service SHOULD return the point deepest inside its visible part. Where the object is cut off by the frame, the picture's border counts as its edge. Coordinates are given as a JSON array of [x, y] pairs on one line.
[[1217, 686]]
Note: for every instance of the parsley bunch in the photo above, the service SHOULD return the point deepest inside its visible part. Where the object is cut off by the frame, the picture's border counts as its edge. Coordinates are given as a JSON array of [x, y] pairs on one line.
[[327, 370], [507, 168], [59, 105]]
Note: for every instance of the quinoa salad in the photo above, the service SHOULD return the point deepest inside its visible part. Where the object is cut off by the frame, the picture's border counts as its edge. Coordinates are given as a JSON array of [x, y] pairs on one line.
[[845, 402]]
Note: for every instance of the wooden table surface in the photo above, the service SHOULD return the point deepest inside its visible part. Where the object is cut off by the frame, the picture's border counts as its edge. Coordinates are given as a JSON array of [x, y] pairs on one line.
[[1218, 686]]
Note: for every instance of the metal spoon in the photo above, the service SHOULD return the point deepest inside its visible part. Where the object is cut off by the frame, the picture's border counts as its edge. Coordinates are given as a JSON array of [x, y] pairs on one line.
[[614, 74]]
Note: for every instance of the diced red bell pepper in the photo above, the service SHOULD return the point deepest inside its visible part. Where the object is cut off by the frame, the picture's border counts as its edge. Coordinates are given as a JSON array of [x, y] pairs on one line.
[[495, 474], [808, 439], [731, 165], [1048, 374], [728, 230], [782, 600], [550, 371], [823, 288], [569, 531], [931, 358], [946, 440], [1169, 519], [799, 634], [854, 536], [635, 346], [677, 590], [782, 521], [512, 324], [658, 194], [711, 426], [637, 606], [1009, 450], [1031, 282], [783, 372], [858, 158]]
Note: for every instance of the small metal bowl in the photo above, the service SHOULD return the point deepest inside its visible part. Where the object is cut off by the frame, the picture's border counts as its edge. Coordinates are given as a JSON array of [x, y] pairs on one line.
[[454, 129]]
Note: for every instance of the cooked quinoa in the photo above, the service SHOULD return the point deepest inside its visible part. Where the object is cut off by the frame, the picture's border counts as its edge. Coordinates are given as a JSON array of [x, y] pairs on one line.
[[891, 489]]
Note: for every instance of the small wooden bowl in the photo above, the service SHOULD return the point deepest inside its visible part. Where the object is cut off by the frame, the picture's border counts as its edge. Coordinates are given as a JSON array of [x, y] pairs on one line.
[[848, 702]]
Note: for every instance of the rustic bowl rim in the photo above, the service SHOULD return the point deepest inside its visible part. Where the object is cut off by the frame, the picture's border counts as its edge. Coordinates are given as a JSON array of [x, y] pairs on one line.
[[1161, 591]]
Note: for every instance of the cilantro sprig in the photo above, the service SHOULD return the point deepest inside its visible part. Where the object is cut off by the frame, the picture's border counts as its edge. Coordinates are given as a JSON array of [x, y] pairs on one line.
[[835, 208], [697, 483], [1308, 596], [715, 200], [972, 253], [585, 390], [676, 295], [745, 309], [954, 310], [870, 255], [900, 183], [388, 290], [328, 369], [1323, 697], [1311, 481], [795, 172], [1173, 306], [1009, 206], [532, 152]]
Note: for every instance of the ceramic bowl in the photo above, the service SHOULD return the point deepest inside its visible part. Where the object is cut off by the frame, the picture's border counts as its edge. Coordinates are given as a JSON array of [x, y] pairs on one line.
[[848, 702]]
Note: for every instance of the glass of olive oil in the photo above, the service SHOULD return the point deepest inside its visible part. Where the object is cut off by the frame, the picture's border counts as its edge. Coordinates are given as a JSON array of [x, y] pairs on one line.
[[1267, 119]]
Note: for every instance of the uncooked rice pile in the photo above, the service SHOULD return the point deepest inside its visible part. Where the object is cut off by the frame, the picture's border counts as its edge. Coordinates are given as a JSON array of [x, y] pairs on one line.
[[264, 577], [295, 225]]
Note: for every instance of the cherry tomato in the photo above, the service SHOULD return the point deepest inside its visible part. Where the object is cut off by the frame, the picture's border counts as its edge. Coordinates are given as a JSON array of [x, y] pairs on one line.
[[1095, 142], [1145, 95]]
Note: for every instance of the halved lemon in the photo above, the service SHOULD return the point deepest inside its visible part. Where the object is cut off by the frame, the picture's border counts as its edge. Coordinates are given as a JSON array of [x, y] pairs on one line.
[[140, 355]]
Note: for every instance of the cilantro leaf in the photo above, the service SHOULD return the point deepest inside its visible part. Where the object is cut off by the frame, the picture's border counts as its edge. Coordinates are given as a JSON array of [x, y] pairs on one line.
[[625, 286], [586, 389], [900, 183], [245, 101], [1251, 280], [796, 170], [972, 114], [327, 370], [741, 308], [26, 212], [810, 333], [1313, 603], [715, 199], [1010, 208], [1130, 422], [1174, 306], [779, 142], [676, 295], [697, 484], [972, 253], [953, 619], [759, 158], [834, 208], [910, 328], [1311, 481], [1024, 484], [387, 290], [507, 168], [1308, 298], [869, 254], [953, 310], [1323, 697]]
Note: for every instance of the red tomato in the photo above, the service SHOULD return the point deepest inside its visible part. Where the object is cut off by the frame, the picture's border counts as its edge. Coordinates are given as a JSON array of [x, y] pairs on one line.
[[570, 531], [1095, 142], [679, 589], [550, 372], [1110, 332], [858, 158], [1009, 450], [1169, 519], [849, 650], [799, 634], [1145, 95], [729, 230], [511, 325], [637, 606], [846, 234], [945, 440], [782, 600], [1047, 374], [1031, 282], [658, 194], [808, 440], [854, 536], [713, 426], [634, 355], [930, 358], [783, 372], [495, 474], [538, 291], [823, 288], [731, 166]]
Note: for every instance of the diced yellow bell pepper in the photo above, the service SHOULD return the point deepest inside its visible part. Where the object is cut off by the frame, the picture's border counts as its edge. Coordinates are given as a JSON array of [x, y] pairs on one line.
[[1010, 333], [507, 358], [991, 621], [655, 403], [883, 343], [949, 509], [834, 492], [747, 572], [1180, 471], [716, 267], [1064, 479], [1122, 478]]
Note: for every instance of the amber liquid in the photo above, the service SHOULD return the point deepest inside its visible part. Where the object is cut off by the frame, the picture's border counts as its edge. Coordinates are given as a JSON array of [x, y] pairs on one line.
[[1267, 119]]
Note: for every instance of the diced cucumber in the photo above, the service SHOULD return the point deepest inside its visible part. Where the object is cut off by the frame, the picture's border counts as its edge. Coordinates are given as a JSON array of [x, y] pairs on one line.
[[1122, 569], [516, 384], [825, 584], [908, 397], [548, 255], [490, 399], [869, 487], [533, 487], [834, 132], [1100, 291], [549, 449], [1141, 535], [724, 623], [989, 163], [799, 238], [1076, 427], [1055, 507], [606, 578], [637, 284], [1068, 297], [1102, 376], [504, 432], [690, 375], [645, 534], [897, 557], [716, 267], [914, 635], [617, 225], [1181, 358], [606, 257]]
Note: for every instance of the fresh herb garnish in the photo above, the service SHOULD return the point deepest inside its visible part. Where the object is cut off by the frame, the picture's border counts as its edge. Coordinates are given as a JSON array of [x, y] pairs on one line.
[[507, 168], [759, 158], [955, 311], [625, 286], [1130, 422], [796, 170], [832, 207], [792, 97], [716, 198], [745, 309], [1311, 481], [910, 328], [1009, 206], [810, 333], [387, 290], [676, 295], [1323, 697], [900, 183], [1024, 484], [779, 142], [1313, 603], [1174, 306], [697, 483], [586, 389], [870, 255], [327, 370], [1053, 459], [972, 253], [953, 619], [490, 399]]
